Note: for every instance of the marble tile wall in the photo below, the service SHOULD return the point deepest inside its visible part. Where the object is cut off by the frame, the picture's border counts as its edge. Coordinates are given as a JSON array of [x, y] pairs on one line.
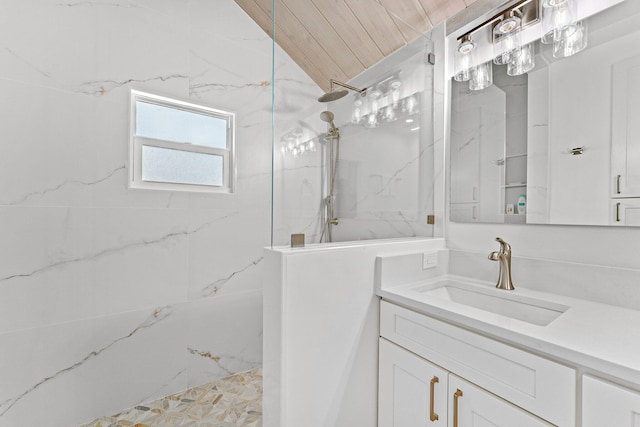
[[108, 296]]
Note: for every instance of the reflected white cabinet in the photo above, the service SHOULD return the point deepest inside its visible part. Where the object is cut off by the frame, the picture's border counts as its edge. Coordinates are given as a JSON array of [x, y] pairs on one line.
[[416, 393], [625, 128], [464, 212], [625, 212], [605, 404]]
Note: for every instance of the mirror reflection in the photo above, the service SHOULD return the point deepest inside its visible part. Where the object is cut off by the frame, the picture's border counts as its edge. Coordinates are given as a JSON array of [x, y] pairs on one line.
[[559, 144]]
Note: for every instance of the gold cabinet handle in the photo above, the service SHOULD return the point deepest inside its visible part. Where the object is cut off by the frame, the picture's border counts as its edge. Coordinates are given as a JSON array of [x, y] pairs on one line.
[[457, 395], [432, 415], [617, 212]]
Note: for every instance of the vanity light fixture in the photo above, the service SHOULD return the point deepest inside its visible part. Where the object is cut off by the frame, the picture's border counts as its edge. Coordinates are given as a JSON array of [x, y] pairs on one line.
[[464, 58], [556, 16], [559, 26], [481, 76], [506, 38]]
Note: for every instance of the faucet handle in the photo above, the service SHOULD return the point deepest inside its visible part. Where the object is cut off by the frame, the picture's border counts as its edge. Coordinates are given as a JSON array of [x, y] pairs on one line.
[[504, 246]]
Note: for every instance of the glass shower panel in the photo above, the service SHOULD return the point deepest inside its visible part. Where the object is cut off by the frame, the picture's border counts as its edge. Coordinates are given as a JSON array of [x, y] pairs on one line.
[[383, 148]]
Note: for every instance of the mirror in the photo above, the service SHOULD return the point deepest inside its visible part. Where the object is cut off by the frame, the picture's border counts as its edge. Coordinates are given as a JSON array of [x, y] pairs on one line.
[[563, 141]]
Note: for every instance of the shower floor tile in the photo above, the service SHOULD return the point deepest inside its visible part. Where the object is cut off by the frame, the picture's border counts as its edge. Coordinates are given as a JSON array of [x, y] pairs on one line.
[[235, 401]]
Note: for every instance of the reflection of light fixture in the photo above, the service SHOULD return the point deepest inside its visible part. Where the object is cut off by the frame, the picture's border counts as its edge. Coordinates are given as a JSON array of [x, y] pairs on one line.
[[374, 104], [293, 143], [356, 114], [410, 105], [394, 92], [389, 114], [384, 102], [371, 121]]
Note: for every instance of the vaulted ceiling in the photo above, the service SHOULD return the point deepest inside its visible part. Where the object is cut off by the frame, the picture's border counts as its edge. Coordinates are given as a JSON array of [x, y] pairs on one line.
[[338, 39]]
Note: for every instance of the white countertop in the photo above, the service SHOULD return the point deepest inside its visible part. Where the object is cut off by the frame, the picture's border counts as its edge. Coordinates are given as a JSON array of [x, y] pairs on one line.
[[599, 337]]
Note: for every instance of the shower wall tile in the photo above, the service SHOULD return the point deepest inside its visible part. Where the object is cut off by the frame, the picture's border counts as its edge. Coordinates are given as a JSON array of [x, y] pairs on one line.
[[215, 270], [92, 362], [64, 264], [235, 347], [95, 48], [70, 371], [108, 296], [67, 149], [221, 19]]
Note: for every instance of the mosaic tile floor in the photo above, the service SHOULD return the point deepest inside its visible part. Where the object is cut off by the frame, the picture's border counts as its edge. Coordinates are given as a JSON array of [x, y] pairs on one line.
[[235, 401]]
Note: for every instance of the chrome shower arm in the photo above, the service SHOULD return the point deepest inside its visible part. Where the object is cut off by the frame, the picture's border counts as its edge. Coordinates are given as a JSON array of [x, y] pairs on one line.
[[347, 86]]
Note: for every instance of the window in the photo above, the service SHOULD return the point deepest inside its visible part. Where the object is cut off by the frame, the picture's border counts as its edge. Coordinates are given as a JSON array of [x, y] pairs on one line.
[[180, 146]]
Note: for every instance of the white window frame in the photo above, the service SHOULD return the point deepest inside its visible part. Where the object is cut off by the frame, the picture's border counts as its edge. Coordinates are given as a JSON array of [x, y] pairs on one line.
[[137, 142]]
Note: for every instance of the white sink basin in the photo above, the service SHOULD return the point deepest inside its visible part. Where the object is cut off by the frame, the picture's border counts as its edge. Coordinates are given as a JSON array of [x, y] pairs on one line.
[[505, 303]]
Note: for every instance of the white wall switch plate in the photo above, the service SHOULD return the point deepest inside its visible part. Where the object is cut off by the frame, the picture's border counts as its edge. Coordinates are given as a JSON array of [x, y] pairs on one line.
[[429, 260]]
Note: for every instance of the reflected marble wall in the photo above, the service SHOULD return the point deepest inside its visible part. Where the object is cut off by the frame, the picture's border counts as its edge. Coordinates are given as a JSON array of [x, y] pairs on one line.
[[387, 176], [109, 296]]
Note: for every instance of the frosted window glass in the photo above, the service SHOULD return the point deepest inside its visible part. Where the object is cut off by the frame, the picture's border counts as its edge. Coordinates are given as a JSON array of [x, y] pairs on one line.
[[181, 167], [172, 124]]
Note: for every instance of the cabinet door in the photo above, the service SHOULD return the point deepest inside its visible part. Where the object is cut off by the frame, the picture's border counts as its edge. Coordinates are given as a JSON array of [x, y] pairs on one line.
[[412, 391], [472, 406], [625, 212], [625, 128], [604, 404], [464, 212]]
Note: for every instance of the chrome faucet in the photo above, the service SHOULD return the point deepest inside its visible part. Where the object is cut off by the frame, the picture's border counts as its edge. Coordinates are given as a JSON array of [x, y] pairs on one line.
[[504, 257]]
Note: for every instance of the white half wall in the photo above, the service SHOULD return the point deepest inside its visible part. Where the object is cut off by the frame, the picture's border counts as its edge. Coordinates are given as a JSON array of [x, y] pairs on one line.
[[321, 330]]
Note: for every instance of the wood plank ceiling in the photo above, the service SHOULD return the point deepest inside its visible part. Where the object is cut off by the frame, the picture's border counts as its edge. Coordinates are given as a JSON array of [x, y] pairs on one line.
[[338, 39]]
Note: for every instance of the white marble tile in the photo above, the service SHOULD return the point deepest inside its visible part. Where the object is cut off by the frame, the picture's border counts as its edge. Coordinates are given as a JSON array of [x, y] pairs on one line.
[[178, 9], [225, 256], [235, 347], [236, 75], [68, 150], [65, 264], [71, 373], [96, 48], [221, 19], [86, 259]]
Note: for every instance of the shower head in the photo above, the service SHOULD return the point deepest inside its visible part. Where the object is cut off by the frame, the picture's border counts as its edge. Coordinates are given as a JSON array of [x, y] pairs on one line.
[[334, 95], [327, 116]]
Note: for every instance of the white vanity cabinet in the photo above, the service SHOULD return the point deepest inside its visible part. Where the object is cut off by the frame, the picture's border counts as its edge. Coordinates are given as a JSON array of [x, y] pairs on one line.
[[472, 406], [416, 393], [605, 404], [501, 385], [413, 392]]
